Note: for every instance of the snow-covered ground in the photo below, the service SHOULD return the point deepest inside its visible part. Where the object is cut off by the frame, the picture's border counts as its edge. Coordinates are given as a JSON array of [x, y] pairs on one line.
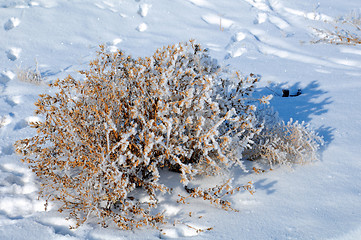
[[267, 37]]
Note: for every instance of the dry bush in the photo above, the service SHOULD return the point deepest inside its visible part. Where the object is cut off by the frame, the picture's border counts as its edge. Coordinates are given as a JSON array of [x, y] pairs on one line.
[[215, 194], [283, 143], [29, 75], [2, 121], [103, 140], [345, 31]]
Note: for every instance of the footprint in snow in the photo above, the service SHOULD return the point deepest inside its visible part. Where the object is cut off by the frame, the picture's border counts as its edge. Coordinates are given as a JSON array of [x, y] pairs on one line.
[[215, 19], [112, 45], [239, 36], [236, 52], [279, 22], [5, 120], [6, 76], [276, 21], [144, 9], [7, 150], [13, 53], [142, 27], [235, 48], [106, 5], [59, 225], [261, 18], [25, 122], [262, 5], [12, 23], [15, 207], [14, 100]]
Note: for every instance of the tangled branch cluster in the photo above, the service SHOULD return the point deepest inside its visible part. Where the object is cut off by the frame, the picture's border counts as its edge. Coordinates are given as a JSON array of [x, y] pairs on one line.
[[283, 143], [215, 194], [346, 31]]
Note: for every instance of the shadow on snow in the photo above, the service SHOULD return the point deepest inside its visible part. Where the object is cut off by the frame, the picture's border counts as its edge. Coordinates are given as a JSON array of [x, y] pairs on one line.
[[311, 102]]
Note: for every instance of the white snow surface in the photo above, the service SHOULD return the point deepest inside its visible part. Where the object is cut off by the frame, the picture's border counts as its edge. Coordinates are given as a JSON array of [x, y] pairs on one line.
[[272, 38]]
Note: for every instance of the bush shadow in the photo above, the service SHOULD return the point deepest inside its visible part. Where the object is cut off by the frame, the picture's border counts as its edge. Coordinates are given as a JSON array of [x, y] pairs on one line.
[[50, 73], [264, 185], [311, 102]]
